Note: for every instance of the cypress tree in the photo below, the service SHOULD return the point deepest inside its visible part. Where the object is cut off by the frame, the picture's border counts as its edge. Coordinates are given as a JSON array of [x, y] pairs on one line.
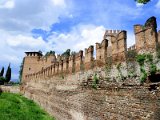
[[2, 72], [21, 70], [8, 74]]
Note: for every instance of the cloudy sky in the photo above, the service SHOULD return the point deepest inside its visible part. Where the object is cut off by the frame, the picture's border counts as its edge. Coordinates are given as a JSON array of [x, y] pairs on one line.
[[32, 25]]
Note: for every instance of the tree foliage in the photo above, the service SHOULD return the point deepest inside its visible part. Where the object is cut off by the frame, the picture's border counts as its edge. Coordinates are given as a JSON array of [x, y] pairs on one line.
[[8, 74], [2, 80], [142, 1], [50, 53], [2, 71], [66, 53], [21, 70]]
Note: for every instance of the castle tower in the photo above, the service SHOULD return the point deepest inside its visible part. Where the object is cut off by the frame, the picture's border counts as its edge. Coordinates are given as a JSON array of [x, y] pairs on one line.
[[65, 64], [78, 61], [118, 45], [101, 52], [146, 36], [31, 63], [88, 61], [71, 65]]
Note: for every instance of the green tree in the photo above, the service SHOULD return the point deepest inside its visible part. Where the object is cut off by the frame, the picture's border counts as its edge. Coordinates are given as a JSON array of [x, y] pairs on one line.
[[8, 74], [40, 51], [21, 70], [142, 1], [50, 53], [2, 71], [66, 53]]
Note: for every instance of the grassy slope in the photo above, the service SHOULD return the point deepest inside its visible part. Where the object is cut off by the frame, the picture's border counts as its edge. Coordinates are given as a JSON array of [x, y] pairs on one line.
[[17, 107]]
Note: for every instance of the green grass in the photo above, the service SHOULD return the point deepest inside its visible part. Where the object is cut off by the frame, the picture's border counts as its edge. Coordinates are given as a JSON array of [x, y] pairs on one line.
[[17, 107]]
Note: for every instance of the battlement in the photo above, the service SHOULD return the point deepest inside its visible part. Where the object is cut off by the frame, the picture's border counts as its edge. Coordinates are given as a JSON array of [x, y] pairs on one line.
[[103, 44], [88, 61], [144, 34], [101, 52], [29, 54], [113, 46], [133, 47], [112, 32], [79, 54], [90, 49]]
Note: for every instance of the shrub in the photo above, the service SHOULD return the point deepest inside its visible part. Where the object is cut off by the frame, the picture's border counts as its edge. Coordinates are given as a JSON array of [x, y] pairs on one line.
[[2, 80], [153, 69], [95, 81], [140, 59], [120, 72], [131, 54], [158, 53], [143, 77]]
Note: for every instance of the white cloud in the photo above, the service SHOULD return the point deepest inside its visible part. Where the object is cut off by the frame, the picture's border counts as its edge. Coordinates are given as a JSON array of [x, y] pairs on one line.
[[60, 3], [80, 37], [130, 39], [26, 43], [19, 17], [139, 4], [158, 4], [26, 15], [13, 46], [8, 4]]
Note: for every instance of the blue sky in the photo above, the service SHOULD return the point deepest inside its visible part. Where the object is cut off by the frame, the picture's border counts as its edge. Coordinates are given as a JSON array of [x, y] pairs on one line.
[[32, 25]]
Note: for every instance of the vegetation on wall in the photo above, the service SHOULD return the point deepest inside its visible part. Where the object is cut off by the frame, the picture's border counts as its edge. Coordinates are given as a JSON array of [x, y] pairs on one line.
[[108, 65], [158, 52], [152, 66], [131, 55], [95, 81], [148, 59], [140, 59], [120, 72]]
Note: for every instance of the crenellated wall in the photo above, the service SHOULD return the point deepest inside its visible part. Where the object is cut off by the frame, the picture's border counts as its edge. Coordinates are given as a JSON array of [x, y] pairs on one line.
[[88, 60], [71, 67], [146, 36], [112, 50], [64, 85], [78, 61], [71, 98], [101, 52]]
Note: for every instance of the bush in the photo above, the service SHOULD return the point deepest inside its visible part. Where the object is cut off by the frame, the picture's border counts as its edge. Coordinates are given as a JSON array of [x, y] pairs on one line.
[[140, 59], [95, 81], [153, 69], [143, 77], [2, 80]]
